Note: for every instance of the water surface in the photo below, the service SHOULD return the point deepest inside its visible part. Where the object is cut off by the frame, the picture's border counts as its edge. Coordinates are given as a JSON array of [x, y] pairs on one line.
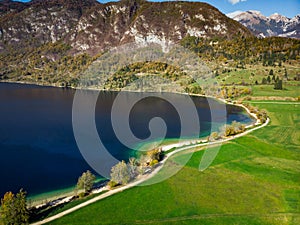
[[38, 151]]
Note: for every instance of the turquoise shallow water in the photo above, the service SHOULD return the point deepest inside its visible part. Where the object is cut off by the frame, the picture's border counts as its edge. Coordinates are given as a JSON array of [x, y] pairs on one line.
[[37, 199], [38, 151]]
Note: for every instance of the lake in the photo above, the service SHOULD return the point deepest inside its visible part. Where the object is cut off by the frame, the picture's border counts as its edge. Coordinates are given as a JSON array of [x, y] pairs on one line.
[[38, 151]]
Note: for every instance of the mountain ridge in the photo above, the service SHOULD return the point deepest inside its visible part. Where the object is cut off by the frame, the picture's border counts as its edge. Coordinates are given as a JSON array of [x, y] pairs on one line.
[[263, 26], [55, 41], [90, 26]]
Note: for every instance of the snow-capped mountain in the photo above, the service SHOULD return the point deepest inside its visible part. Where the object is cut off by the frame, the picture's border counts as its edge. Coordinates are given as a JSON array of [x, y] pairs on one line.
[[274, 25]]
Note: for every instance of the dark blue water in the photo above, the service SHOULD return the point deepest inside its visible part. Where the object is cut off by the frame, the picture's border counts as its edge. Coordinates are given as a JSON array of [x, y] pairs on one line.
[[38, 151]]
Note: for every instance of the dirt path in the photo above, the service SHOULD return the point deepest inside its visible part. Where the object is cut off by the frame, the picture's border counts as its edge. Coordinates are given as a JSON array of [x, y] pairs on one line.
[[145, 177]]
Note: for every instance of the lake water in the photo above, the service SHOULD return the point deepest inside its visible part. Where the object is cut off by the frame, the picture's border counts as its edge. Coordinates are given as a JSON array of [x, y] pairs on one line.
[[38, 151]]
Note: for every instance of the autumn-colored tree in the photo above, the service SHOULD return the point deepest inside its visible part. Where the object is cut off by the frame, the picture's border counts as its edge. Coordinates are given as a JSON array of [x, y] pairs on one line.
[[7, 212], [14, 209]]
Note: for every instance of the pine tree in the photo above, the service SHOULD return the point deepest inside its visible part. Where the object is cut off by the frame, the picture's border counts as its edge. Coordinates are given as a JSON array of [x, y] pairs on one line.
[[22, 214]]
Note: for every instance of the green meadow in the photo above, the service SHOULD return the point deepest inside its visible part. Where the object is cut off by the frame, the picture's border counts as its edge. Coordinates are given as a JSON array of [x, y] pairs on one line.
[[268, 90], [254, 179]]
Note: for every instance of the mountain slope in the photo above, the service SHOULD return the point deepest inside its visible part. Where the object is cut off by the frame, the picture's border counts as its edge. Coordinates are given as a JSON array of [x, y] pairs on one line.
[[274, 25], [89, 26]]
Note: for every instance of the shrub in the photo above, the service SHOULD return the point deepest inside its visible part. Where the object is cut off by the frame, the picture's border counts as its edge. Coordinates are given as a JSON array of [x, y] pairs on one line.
[[262, 116], [112, 184], [81, 195], [234, 128], [214, 136], [153, 162]]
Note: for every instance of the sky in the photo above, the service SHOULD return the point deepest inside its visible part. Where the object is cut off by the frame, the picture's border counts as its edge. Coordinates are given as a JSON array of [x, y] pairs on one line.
[[289, 8]]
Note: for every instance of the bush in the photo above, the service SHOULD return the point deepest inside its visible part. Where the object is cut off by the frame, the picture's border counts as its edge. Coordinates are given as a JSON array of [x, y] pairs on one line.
[[262, 116], [112, 184], [214, 136], [153, 162], [81, 195], [233, 129], [154, 154]]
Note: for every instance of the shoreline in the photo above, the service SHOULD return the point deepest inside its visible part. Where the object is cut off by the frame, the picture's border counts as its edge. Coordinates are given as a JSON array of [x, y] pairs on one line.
[[179, 145], [44, 198], [58, 193], [48, 196], [146, 177]]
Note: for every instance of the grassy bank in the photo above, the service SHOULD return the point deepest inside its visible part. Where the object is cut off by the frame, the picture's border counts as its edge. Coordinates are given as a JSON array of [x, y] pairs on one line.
[[254, 180]]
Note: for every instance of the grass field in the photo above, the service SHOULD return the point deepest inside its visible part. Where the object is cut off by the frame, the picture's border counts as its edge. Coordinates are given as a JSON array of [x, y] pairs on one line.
[[255, 179], [268, 90], [257, 72]]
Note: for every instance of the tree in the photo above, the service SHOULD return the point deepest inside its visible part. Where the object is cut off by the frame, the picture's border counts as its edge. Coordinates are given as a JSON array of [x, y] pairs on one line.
[[278, 84], [264, 81], [7, 208], [120, 173], [216, 73], [21, 207], [234, 128], [14, 208], [154, 154], [269, 79], [271, 73], [285, 73], [273, 78], [86, 181], [132, 167]]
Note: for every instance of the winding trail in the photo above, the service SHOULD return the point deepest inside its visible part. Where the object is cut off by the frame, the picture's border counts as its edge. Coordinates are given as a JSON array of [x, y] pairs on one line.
[[153, 173]]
